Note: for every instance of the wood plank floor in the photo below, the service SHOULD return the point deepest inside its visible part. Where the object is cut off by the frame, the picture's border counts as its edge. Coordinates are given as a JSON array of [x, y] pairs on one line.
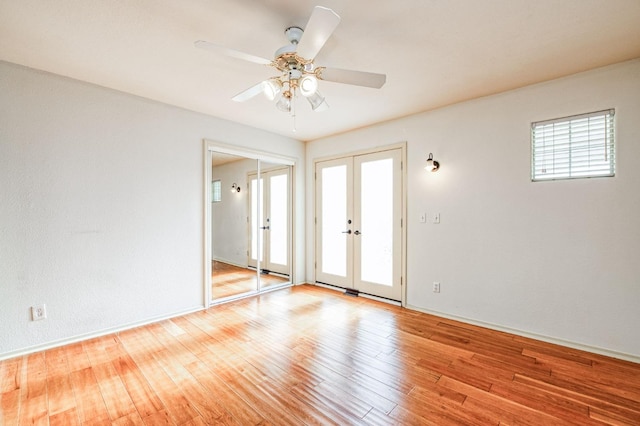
[[307, 355], [230, 280]]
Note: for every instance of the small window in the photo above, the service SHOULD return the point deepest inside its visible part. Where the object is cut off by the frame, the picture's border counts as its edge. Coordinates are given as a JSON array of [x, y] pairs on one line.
[[216, 191], [580, 146]]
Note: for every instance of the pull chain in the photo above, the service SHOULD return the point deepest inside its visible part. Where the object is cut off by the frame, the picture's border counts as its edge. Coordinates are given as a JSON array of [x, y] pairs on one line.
[[293, 107]]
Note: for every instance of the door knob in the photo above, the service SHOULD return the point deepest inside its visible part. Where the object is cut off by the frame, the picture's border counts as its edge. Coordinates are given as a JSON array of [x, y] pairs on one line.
[[356, 232], [264, 227], [347, 232]]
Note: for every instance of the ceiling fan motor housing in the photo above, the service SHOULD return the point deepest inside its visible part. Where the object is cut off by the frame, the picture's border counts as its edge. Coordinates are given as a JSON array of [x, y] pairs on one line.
[[285, 58], [294, 34]]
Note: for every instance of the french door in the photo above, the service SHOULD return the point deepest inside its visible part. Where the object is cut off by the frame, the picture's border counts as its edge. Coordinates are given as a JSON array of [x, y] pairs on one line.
[[359, 223], [269, 220]]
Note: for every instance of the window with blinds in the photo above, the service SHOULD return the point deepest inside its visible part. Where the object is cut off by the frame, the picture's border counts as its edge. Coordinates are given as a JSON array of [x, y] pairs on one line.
[[580, 146], [216, 191]]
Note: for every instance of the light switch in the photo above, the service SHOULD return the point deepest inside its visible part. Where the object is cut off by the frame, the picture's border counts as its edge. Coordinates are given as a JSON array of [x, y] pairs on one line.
[[423, 218], [436, 218]]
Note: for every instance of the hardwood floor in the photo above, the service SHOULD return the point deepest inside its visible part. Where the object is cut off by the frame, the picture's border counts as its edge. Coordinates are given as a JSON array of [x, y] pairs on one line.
[[229, 280], [307, 355]]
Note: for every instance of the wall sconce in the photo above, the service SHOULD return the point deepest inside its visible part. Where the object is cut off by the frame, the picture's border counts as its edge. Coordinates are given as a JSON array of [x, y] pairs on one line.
[[432, 165], [235, 188]]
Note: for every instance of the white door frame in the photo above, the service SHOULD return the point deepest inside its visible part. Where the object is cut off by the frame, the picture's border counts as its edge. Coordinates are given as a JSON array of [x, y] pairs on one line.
[[403, 246], [209, 147]]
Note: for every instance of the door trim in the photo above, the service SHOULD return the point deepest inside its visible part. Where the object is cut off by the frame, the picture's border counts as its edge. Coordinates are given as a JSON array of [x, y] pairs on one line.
[[403, 232]]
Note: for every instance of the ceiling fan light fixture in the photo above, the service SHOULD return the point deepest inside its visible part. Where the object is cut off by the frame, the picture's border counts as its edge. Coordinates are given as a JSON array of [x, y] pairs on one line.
[[295, 62], [318, 103], [271, 88], [308, 85], [284, 103]]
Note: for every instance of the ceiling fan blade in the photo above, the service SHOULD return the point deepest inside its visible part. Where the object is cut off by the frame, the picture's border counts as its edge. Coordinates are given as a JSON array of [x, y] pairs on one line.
[[322, 23], [201, 44], [249, 93], [357, 78]]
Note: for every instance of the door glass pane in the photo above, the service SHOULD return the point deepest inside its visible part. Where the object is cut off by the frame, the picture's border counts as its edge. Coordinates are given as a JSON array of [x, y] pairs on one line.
[[278, 219], [377, 221], [334, 220], [256, 221]]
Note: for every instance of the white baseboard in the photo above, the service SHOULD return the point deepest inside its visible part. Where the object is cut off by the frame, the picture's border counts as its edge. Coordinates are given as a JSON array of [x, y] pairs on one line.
[[92, 335], [548, 339], [543, 338]]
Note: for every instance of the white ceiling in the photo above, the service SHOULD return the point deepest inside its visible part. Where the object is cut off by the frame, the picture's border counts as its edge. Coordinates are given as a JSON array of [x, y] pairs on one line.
[[434, 52]]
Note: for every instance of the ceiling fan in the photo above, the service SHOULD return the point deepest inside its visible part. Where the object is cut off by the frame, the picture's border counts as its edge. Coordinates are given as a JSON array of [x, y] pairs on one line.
[[295, 61]]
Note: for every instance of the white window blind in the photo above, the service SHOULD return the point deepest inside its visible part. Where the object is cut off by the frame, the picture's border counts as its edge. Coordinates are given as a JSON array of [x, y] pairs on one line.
[[216, 191], [573, 147]]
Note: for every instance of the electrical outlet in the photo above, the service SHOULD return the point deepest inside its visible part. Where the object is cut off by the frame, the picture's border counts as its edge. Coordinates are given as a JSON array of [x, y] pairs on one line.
[[436, 287], [38, 312]]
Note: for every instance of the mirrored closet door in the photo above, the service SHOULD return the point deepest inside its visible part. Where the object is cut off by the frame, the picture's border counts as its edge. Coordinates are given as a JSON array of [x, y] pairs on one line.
[[250, 226]]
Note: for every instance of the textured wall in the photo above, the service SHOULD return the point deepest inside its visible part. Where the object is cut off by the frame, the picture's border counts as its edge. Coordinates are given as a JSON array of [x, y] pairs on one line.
[[102, 210], [556, 259]]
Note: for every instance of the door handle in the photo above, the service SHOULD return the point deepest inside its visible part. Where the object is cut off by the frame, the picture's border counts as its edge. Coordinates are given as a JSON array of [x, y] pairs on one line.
[[347, 232], [356, 232], [265, 227]]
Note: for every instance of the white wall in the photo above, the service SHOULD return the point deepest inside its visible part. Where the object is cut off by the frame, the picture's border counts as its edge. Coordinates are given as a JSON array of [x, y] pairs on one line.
[[101, 212], [229, 216], [554, 259]]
